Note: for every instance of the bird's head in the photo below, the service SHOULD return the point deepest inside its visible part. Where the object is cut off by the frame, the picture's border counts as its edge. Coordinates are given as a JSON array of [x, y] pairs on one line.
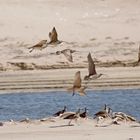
[[78, 111], [58, 52], [86, 109], [77, 73], [44, 41]]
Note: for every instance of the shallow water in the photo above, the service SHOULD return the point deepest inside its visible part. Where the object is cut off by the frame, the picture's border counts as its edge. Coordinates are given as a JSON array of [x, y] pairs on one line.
[[40, 105]]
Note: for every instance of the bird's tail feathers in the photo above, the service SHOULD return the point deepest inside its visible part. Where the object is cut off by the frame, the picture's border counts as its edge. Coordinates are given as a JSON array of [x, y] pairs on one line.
[[82, 91]]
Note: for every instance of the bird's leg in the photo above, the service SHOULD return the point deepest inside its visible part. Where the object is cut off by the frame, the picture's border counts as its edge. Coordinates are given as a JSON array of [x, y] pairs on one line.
[[70, 122], [76, 121], [73, 91]]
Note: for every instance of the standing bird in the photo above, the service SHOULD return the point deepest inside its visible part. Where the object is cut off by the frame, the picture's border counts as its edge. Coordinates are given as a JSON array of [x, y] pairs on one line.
[[42, 44], [105, 113], [91, 68], [67, 53], [77, 85], [60, 112], [72, 116], [54, 37], [84, 114]]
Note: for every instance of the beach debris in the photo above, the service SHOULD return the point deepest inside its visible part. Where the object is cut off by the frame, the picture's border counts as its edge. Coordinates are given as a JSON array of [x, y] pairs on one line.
[[1, 123], [91, 68], [54, 37], [120, 116], [26, 120], [77, 85], [130, 139], [67, 53], [115, 122], [60, 112], [12, 121], [47, 120], [41, 45]]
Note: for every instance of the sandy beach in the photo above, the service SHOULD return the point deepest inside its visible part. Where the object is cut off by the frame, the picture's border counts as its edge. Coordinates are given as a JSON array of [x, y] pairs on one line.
[[62, 79], [108, 29], [59, 129]]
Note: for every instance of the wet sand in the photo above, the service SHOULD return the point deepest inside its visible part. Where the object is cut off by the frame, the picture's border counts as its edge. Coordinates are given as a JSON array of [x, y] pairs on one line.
[[61, 79]]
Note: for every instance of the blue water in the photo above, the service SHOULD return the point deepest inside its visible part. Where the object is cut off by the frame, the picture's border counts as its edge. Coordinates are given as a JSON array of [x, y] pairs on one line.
[[40, 105]]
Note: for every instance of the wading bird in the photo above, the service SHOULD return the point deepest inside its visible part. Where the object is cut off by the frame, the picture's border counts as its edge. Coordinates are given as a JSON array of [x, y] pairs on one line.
[[105, 113], [84, 114], [60, 112], [71, 116]]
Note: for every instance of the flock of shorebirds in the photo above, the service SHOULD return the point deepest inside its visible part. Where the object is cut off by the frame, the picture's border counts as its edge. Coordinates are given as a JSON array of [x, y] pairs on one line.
[[77, 85], [103, 118], [105, 114]]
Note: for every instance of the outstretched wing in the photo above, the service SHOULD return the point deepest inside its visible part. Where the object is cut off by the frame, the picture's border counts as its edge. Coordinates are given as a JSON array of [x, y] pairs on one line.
[[81, 91], [91, 65], [68, 55], [77, 80], [53, 36]]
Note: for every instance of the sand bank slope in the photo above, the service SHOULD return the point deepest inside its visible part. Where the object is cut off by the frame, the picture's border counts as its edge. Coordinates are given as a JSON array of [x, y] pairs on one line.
[[61, 79]]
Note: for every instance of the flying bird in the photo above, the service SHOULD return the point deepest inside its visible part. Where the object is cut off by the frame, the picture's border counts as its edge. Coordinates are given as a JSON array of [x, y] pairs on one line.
[[41, 45], [67, 53], [77, 85], [91, 68], [54, 37]]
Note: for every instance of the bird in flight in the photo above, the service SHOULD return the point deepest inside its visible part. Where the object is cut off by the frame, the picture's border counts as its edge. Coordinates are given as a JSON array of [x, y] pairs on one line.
[[91, 69], [53, 37], [77, 85], [67, 53], [41, 45], [139, 55]]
